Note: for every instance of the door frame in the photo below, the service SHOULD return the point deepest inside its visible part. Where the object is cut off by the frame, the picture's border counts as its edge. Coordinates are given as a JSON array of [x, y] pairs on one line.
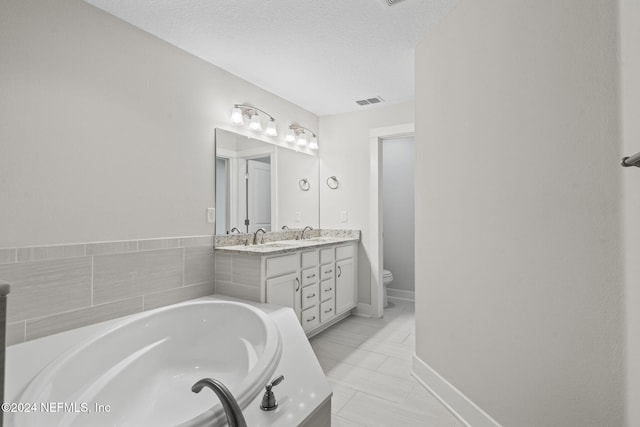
[[376, 135]]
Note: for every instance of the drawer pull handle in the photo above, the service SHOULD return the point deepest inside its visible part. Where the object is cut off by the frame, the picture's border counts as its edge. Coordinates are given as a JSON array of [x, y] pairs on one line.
[[328, 271], [312, 319], [328, 311], [311, 296], [328, 290], [311, 277]]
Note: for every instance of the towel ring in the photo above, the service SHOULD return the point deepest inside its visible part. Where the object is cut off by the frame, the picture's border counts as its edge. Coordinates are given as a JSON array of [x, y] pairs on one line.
[[332, 182], [304, 184]]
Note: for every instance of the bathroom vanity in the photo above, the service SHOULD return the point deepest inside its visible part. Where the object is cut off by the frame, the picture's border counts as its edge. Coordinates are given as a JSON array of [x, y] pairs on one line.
[[316, 277]]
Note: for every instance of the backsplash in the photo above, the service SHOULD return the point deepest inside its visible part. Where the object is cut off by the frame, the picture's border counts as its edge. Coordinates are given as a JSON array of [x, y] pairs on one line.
[[274, 236], [61, 287]]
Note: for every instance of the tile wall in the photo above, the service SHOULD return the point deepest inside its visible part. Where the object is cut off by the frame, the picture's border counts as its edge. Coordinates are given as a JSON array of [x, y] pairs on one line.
[[56, 288]]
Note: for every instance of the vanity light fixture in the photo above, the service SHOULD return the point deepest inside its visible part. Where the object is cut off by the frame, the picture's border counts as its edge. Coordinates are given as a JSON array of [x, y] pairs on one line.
[[290, 136], [299, 133], [255, 122], [302, 139], [271, 128], [313, 144], [240, 111]]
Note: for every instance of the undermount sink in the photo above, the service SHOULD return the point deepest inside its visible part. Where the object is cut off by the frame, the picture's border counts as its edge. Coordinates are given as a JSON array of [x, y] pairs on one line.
[[322, 239], [278, 244]]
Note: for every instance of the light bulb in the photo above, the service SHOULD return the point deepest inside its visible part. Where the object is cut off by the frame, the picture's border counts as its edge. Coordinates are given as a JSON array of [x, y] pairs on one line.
[[290, 136], [236, 116], [271, 128], [255, 122], [314, 143], [302, 139]]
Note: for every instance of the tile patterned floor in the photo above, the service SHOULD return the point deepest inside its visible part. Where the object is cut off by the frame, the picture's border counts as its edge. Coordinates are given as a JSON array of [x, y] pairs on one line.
[[368, 363]]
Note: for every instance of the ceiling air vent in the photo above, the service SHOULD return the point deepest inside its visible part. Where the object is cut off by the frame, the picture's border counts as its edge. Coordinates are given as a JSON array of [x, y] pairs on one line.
[[368, 101], [390, 3]]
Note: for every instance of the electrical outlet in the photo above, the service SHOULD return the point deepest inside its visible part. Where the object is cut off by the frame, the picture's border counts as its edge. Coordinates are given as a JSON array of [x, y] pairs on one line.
[[211, 215], [298, 217], [343, 216]]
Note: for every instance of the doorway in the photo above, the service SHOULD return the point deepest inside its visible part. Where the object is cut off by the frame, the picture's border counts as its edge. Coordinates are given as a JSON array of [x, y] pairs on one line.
[[398, 215], [376, 138]]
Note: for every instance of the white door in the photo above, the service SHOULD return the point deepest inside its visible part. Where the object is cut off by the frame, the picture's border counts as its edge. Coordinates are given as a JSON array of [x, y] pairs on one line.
[[345, 286], [259, 191], [285, 291]]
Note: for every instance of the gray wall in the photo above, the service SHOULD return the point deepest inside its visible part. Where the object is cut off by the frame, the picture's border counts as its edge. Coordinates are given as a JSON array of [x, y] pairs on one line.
[[106, 135], [630, 94], [398, 156], [107, 132], [519, 291]]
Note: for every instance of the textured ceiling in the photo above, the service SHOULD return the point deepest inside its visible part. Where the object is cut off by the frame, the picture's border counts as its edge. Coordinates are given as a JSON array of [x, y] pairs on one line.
[[322, 55]]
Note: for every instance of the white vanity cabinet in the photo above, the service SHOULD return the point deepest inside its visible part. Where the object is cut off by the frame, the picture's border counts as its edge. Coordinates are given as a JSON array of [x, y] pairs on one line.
[[327, 285], [346, 293], [282, 282], [319, 283]]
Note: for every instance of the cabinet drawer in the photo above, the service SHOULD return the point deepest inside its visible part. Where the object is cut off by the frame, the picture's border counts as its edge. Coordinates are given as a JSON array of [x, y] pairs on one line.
[[327, 310], [327, 271], [327, 255], [310, 318], [327, 289], [310, 259], [310, 296], [309, 276], [343, 252], [280, 265]]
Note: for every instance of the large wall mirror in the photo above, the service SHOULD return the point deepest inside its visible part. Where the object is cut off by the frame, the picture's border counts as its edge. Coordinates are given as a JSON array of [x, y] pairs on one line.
[[262, 185]]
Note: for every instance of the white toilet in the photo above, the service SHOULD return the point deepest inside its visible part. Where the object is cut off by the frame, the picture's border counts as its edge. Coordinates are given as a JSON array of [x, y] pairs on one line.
[[387, 278]]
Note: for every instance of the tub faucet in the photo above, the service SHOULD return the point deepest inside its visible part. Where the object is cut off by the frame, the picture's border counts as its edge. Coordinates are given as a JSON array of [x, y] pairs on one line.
[[308, 227], [229, 403], [255, 235]]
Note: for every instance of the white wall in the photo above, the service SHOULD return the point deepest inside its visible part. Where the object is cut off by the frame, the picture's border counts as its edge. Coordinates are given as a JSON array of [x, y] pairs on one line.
[[519, 290], [291, 198], [344, 152], [630, 101], [106, 132], [398, 156]]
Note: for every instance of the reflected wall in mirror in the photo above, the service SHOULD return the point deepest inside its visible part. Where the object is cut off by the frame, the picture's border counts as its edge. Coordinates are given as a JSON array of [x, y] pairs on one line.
[[257, 185]]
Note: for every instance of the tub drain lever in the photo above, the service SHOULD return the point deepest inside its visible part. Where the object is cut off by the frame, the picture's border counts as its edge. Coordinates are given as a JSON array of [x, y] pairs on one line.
[[269, 402]]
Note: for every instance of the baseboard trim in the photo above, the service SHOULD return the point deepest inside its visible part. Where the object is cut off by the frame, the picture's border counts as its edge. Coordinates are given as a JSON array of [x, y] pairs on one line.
[[363, 310], [401, 294], [455, 401]]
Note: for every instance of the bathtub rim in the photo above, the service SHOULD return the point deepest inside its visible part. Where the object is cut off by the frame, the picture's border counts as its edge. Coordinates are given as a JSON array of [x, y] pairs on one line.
[[215, 413]]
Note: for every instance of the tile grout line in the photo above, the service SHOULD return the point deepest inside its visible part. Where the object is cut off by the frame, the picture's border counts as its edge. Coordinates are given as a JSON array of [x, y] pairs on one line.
[[92, 260], [184, 262], [349, 399]]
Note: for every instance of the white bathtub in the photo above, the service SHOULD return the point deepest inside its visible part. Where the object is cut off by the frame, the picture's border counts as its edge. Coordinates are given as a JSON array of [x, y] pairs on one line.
[[144, 367]]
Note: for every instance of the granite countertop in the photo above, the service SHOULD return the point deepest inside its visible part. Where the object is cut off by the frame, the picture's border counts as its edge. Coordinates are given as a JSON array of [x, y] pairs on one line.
[[318, 239]]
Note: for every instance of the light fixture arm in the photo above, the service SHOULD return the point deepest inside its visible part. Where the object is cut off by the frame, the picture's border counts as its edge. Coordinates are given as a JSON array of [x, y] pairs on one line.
[[300, 129], [249, 110]]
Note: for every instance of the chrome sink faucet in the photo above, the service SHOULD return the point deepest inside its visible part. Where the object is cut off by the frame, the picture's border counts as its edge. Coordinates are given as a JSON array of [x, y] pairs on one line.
[[235, 229], [255, 236], [229, 403], [308, 227]]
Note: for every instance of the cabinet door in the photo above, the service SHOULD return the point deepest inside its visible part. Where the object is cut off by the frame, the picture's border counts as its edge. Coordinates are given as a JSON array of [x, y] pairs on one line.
[[285, 291], [345, 286]]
